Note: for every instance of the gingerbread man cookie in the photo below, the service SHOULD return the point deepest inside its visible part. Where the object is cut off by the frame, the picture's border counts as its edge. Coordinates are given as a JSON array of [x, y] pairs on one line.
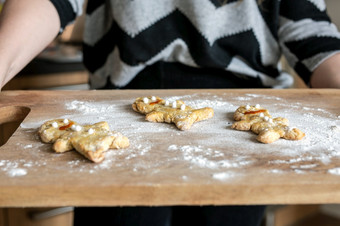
[[92, 141], [258, 120], [159, 110]]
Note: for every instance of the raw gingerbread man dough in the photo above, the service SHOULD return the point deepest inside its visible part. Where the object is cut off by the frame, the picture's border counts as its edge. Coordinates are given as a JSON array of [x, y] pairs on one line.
[[92, 141], [258, 120], [158, 110]]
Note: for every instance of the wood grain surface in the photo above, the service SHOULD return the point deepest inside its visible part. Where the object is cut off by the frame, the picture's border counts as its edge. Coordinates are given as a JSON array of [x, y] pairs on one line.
[[209, 164]]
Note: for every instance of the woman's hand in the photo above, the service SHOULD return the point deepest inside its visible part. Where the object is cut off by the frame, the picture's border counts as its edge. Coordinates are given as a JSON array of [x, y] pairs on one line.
[[26, 28]]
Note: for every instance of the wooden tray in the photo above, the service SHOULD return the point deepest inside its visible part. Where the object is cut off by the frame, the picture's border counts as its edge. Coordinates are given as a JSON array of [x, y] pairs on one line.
[[209, 164]]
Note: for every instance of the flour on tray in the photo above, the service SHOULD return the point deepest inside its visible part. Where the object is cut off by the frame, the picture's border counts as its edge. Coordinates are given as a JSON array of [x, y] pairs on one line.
[[219, 153], [11, 168]]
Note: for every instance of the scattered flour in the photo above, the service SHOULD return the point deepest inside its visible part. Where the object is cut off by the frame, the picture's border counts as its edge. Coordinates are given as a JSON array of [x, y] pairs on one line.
[[17, 172], [19, 167], [222, 176], [276, 171], [11, 168], [28, 146], [335, 171], [209, 158], [85, 107]]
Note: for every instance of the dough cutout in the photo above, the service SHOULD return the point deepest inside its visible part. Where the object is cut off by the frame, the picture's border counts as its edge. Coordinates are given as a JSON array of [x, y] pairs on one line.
[[92, 141], [258, 120], [158, 110]]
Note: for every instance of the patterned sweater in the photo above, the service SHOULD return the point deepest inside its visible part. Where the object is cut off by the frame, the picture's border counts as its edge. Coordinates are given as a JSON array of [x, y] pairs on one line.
[[123, 37]]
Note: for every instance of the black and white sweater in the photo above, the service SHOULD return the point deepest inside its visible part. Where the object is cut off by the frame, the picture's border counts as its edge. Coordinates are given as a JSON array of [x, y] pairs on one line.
[[123, 37]]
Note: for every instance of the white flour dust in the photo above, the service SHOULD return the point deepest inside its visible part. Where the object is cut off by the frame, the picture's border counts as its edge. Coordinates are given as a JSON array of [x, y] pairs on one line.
[[210, 147], [12, 168], [222, 176], [17, 172], [335, 171], [208, 158]]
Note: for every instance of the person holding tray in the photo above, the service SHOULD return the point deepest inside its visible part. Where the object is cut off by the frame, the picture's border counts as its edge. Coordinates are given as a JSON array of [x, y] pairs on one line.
[[180, 44]]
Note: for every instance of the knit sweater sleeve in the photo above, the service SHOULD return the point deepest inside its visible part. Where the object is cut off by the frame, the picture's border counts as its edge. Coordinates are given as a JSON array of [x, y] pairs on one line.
[[306, 35], [68, 10]]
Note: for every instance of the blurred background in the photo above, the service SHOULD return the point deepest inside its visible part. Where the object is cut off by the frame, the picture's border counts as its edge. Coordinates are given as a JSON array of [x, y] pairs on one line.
[[60, 66]]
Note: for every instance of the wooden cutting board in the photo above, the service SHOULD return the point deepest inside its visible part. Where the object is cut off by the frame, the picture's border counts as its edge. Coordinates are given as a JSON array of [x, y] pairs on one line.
[[209, 164]]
